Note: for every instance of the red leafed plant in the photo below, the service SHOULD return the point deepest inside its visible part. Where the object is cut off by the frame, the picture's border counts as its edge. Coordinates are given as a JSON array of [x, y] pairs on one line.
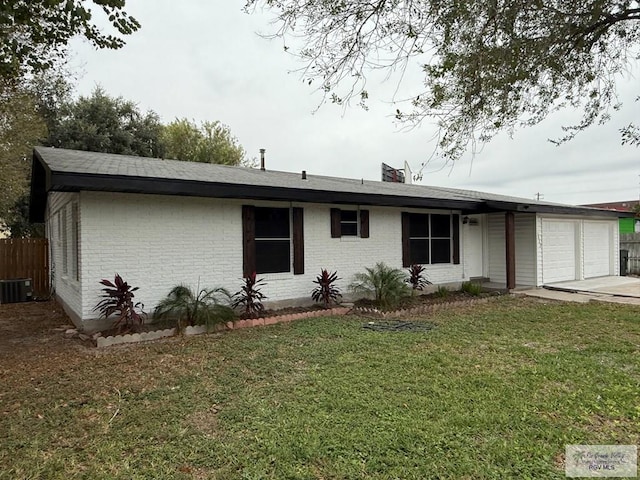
[[117, 299], [326, 292], [416, 277], [249, 297]]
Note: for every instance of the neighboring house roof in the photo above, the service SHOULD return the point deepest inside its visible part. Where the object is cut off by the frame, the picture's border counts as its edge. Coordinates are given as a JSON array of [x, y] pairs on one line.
[[72, 170], [624, 206]]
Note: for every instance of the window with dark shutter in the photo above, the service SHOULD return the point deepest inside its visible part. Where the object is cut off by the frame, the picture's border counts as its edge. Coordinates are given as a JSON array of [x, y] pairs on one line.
[[349, 223], [455, 223], [440, 238], [335, 223], [429, 239], [298, 241], [268, 235], [419, 238], [272, 240], [248, 240], [364, 223]]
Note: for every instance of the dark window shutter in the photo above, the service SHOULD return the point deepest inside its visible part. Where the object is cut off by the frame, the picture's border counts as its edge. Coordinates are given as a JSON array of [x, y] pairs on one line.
[[248, 240], [406, 251], [364, 223], [298, 241], [455, 237], [335, 223]]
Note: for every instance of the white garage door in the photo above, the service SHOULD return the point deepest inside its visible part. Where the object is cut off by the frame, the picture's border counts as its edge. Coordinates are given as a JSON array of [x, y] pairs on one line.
[[597, 249], [558, 251]]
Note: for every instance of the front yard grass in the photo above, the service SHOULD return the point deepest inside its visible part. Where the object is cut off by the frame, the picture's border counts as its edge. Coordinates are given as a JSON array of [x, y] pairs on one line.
[[495, 391]]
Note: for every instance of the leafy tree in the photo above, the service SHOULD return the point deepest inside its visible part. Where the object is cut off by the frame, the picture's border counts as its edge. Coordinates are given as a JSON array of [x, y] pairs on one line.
[[21, 127], [34, 33], [212, 142], [17, 220], [488, 65], [41, 111], [101, 123]]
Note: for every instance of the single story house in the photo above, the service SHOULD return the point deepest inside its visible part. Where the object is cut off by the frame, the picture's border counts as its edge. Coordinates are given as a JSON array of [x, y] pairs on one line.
[[160, 223]]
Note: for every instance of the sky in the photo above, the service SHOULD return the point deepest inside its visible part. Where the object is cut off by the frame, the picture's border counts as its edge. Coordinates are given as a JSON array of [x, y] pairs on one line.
[[207, 60]]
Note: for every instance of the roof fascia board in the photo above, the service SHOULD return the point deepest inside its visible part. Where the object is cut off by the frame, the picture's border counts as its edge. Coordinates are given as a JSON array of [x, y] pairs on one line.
[[62, 181], [40, 185], [558, 209]]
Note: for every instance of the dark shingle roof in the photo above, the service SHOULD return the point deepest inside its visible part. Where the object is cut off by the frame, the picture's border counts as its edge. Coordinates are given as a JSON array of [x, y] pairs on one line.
[[73, 170]]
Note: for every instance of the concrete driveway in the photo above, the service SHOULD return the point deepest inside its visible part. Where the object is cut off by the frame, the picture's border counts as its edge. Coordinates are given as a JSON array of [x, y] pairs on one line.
[[607, 289], [622, 286]]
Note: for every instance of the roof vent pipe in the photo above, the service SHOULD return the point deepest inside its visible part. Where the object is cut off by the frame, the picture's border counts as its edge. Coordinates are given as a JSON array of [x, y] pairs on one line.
[[304, 174], [262, 150]]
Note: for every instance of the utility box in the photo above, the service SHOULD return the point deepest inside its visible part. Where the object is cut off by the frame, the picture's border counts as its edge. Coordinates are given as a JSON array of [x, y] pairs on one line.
[[624, 262], [16, 290]]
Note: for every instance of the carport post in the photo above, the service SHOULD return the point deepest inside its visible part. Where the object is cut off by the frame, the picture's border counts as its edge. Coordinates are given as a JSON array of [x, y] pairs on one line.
[[510, 247]]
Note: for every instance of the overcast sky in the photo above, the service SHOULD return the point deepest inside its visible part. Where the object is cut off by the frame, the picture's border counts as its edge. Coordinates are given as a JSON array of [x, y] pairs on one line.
[[204, 60]]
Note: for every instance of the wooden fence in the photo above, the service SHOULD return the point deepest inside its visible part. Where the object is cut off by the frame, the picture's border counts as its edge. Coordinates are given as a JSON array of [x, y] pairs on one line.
[[631, 242], [26, 258]]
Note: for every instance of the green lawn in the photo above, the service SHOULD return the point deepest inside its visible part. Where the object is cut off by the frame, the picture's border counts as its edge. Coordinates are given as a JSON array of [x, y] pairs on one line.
[[495, 391]]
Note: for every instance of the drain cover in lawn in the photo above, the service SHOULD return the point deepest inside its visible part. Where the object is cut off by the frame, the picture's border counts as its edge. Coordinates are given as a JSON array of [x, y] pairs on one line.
[[398, 326]]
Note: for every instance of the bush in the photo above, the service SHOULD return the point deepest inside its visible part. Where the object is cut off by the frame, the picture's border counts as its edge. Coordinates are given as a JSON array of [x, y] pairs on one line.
[[208, 307], [442, 291], [417, 278], [249, 297], [471, 288], [387, 285], [326, 292], [117, 298]]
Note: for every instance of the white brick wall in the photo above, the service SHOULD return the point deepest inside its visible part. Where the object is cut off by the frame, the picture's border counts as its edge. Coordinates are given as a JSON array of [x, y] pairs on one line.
[[66, 288], [156, 242]]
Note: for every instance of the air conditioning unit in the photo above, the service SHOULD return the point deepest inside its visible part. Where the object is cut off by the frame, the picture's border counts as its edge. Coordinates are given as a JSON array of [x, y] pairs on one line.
[[16, 290]]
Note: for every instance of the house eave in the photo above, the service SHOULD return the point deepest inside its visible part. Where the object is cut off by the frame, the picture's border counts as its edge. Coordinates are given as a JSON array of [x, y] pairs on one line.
[[73, 182], [497, 206]]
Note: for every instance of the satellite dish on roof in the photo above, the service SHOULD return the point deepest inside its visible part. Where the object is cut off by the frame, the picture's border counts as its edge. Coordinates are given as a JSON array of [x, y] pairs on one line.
[[408, 174]]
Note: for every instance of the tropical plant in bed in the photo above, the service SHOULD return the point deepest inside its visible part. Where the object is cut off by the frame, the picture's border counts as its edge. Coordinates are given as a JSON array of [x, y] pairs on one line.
[[208, 307], [326, 292], [471, 288], [387, 285], [442, 292], [249, 298], [117, 299], [417, 277]]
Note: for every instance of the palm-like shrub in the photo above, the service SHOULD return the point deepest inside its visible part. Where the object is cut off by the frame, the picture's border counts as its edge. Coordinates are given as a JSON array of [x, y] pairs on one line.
[[326, 292], [208, 307], [117, 299], [387, 285]]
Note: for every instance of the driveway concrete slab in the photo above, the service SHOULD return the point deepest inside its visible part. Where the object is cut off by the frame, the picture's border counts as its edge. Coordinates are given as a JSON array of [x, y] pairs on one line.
[[554, 295], [579, 297], [621, 286]]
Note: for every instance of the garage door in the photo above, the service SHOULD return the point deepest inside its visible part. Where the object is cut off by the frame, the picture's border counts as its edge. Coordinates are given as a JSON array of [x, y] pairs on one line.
[[597, 249], [558, 251]]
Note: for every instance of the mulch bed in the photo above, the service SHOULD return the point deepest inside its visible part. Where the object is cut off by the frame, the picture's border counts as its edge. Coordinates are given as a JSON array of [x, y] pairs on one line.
[[38, 327], [422, 300]]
